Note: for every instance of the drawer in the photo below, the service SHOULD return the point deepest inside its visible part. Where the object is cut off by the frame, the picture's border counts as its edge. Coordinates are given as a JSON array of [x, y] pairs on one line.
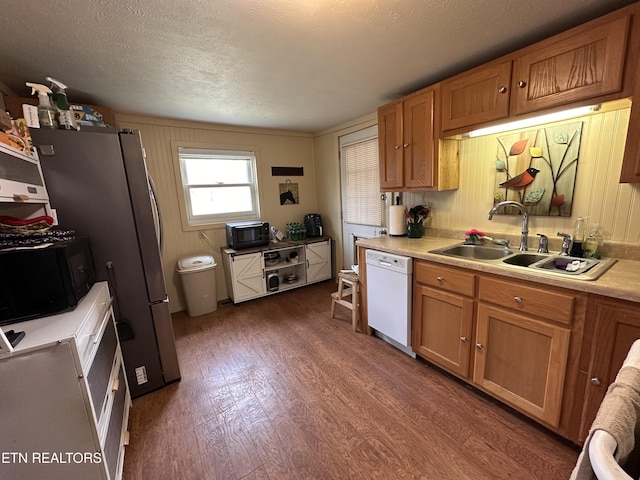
[[113, 445], [92, 327], [556, 306], [101, 368], [450, 279]]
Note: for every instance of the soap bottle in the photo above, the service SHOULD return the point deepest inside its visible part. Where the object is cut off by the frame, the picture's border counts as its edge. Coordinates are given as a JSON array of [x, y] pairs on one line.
[[579, 234], [593, 242], [66, 117], [46, 113]]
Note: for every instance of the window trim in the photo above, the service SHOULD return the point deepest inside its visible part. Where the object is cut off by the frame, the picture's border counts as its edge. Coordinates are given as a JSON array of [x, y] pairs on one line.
[[183, 203]]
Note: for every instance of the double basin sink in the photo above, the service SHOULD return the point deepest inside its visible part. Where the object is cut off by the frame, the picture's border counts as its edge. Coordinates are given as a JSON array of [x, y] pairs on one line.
[[544, 263]]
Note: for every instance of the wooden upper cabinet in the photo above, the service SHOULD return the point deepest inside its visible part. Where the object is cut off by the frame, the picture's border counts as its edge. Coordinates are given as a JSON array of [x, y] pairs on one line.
[[390, 146], [478, 96], [406, 142], [418, 140], [585, 65], [411, 155], [630, 172]]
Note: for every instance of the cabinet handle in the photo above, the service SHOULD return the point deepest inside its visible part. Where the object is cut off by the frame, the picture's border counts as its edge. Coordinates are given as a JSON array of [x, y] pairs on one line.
[[463, 339], [595, 381], [502, 90], [116, 385], [522, 84], [479, 346], [397, 147], [405, 145], [440, 279], [517, 299]]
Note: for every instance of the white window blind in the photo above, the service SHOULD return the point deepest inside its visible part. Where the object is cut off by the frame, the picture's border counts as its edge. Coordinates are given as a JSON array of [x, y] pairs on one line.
[[361, 200]]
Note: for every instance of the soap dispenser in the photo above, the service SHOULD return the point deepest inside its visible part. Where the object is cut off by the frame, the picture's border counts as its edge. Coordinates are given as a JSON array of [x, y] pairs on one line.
[[579, 234]]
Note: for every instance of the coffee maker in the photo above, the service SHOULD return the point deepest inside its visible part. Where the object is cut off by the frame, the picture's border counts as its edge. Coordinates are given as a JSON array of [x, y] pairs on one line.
[[313, 224]]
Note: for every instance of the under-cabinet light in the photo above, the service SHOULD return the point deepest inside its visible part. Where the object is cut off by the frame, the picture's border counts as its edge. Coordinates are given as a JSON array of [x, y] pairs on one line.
[[529, 122]]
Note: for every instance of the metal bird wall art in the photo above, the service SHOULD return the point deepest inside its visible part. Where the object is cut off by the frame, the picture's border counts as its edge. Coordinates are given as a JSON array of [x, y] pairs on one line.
[[538, 168]]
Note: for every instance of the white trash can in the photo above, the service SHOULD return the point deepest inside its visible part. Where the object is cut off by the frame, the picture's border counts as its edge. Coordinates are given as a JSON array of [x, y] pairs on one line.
[[198, 275]]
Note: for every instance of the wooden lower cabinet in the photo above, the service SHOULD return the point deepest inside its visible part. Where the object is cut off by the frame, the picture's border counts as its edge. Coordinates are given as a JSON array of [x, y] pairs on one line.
[[519, 341], [442, 328], [522, 361], [617, 326]]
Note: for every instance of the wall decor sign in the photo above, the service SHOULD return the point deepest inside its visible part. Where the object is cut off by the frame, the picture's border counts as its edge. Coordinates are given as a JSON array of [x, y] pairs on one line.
[[287, 171], [538, 169], [289, 193]]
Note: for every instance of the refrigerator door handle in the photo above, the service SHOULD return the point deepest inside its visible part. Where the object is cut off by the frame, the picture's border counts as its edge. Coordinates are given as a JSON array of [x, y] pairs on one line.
[[164, 300]]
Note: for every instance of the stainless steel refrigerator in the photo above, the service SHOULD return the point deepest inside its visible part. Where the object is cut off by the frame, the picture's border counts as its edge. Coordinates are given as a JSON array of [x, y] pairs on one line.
[[98, 184]]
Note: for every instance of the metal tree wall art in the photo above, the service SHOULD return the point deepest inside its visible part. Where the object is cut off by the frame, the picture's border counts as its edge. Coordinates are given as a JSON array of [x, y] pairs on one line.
[[538, 168]]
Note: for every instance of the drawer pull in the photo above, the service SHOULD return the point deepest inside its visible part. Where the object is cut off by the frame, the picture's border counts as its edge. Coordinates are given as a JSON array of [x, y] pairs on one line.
[[479, 346], [517, 299], [440, 279], [116, 385], [96, 334], [397, 147], [463, 339], [522, 84], [405, 145], [595, 381], [502, 89]]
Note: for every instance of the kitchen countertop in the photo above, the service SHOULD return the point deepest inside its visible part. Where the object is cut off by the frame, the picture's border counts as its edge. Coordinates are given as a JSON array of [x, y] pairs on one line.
[[621, 281], [275, 246]]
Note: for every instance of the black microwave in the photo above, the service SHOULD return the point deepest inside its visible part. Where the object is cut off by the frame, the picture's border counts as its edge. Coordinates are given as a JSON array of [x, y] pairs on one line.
[[247, 234], [39, 281]]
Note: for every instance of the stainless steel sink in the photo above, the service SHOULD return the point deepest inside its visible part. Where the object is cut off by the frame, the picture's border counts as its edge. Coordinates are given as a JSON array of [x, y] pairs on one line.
[[544, 264], [475, 252], [524, 259]]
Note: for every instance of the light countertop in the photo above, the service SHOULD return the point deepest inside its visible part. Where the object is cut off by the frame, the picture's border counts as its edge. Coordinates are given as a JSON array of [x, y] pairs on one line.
[[621, 281]]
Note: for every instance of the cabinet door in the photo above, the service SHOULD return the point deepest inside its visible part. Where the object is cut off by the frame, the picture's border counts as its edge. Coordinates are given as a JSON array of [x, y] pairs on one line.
[[318, 261], [248, 276], [585, 65], [522, 361], [390, 146], [479, 96], [442, 328], [630, 172], [418, 140], [617, 328]]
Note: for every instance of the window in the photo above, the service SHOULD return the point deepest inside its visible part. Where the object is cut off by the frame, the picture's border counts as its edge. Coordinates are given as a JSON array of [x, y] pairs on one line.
[[218, 185], [361, 178], [363, 211]]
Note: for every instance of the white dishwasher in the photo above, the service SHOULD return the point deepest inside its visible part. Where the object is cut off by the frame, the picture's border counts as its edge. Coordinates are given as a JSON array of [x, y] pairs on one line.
[[389, 288]]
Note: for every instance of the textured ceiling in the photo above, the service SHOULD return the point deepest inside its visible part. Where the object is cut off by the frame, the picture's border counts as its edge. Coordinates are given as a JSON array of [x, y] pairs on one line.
[[288, 64]]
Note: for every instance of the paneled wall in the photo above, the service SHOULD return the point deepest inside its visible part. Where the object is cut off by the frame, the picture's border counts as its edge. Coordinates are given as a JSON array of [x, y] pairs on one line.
[[273, 148]]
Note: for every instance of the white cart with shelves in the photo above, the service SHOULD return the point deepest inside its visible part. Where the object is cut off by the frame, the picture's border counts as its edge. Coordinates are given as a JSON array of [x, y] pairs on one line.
[[250, 273]]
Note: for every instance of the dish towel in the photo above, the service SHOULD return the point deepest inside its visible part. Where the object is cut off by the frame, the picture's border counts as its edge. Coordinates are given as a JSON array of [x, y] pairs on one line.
[[619, 415]]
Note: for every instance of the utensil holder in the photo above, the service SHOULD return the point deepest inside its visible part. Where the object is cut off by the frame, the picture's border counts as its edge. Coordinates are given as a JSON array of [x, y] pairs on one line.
[[415, 230]]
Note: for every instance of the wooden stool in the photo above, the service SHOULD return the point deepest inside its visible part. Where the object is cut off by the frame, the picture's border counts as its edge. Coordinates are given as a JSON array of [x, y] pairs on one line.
[[353, 286]]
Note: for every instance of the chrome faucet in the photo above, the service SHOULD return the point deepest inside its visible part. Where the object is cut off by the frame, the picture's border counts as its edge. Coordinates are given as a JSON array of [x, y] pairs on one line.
[[566, 243], [525, 220], [543, 244]]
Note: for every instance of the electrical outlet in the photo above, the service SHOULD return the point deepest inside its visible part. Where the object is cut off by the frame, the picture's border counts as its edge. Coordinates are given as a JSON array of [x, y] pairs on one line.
[[141, 375]]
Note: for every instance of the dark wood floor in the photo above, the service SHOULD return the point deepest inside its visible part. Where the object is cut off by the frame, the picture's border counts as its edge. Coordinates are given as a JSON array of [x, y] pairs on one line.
[[275, 389]]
